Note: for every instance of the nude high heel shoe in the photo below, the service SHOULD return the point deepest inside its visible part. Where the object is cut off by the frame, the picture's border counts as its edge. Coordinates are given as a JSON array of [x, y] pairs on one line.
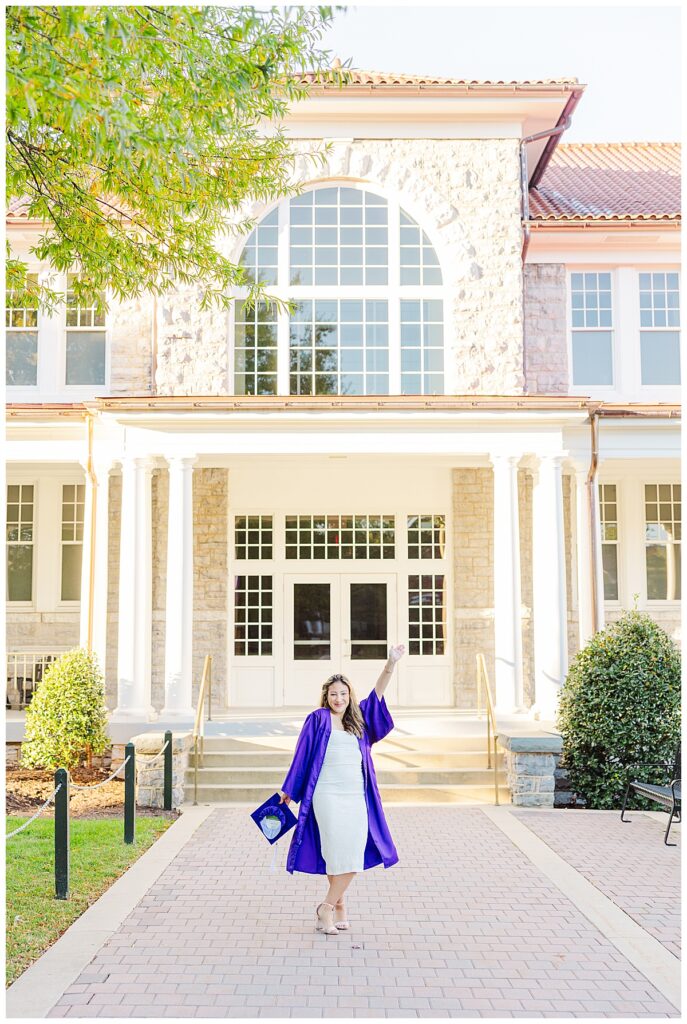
[[343, 925], [325, 921]]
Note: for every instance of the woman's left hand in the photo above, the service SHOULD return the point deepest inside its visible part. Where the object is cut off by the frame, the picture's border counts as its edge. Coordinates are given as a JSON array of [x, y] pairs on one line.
[[396, 653]]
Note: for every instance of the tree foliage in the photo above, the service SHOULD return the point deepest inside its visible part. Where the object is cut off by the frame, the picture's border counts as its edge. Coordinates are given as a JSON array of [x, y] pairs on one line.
[[134, 132], [67, 718], [619, 705]]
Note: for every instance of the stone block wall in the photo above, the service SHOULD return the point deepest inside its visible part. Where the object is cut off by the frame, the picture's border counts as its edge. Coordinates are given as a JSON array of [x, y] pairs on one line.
[[545, 342], [150, 775], [130, 332], [210, 579], [466, 195], [473, 579]]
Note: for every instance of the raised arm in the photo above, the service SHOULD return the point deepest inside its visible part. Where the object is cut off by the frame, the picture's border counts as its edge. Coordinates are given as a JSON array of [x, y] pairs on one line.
[[395, 655]]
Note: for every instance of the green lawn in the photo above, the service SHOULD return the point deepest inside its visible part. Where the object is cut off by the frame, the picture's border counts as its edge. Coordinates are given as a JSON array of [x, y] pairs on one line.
[[35, 919]]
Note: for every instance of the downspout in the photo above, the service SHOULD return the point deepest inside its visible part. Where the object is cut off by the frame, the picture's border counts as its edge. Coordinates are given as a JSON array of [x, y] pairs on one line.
[[592, 500], [524, 183], [91, 555]]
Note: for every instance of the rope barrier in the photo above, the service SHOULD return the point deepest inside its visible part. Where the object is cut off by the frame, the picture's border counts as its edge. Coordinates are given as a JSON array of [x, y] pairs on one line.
[[153, 759], [31, 820], [105, 781]]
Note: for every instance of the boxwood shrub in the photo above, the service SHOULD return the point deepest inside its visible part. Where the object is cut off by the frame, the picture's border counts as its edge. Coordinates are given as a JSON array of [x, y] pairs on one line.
[[620, 703], [67, 718]]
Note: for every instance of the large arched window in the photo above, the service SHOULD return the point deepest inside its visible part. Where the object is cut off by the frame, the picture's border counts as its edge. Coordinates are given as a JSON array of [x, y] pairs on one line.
[[367, 291]]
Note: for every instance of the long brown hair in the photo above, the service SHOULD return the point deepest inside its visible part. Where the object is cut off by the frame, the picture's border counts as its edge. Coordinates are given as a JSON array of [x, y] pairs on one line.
[[352, 719]]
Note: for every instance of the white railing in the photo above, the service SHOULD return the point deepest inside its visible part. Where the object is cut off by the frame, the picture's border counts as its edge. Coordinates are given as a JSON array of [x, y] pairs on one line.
[[24, 673]]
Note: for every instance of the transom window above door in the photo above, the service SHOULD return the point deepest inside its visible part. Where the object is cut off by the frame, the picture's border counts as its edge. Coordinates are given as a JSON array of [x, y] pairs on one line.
[[363, 285]]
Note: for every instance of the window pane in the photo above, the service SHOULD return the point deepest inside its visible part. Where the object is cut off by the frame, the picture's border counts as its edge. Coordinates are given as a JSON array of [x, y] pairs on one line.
[[592, 357], [85, 357], [311, 621], [71, 571], [19, 572], [422, 353], [660, 352], [22, 358], [253, 615], [368, 622], [610, 571], [331, 353]]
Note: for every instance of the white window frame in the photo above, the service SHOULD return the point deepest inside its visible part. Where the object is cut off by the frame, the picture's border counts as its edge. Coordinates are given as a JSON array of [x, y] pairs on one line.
[[51, 383], [23, 482], [11, 388], [619, 545], [62, 602], [392, 292], [280, 567], [660, 392], [46, 585], [627, 371], [629, 483], [594, 390]]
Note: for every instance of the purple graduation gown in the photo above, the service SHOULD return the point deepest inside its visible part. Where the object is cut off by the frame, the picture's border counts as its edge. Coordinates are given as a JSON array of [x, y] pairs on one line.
[[305, 853]]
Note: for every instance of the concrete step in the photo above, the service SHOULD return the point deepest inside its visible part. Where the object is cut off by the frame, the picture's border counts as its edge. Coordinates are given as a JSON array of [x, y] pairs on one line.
[[273, 777], [399, 759], [391, 794], [397, 744]]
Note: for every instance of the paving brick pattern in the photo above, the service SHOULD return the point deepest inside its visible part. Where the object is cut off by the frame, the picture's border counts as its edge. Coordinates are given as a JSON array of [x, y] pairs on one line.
[[628, 862], [464, 926]]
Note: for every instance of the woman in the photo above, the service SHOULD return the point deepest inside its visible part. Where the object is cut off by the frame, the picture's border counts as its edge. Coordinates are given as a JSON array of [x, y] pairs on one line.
[[341, 826]]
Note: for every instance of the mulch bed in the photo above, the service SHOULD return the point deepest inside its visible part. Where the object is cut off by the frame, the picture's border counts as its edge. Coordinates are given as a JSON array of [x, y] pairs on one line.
[[27, 788]]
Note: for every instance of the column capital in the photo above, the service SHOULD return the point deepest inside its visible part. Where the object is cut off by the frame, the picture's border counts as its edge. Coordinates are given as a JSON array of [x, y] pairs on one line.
[[505, 458], [181, 462]]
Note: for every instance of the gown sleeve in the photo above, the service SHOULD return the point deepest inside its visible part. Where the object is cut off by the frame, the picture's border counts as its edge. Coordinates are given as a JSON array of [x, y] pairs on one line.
[[297, 775], [378, 721]]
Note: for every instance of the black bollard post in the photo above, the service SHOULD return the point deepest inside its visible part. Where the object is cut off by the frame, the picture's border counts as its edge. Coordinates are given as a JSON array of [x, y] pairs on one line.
[[62, 835], [130, 793], [168, 772]]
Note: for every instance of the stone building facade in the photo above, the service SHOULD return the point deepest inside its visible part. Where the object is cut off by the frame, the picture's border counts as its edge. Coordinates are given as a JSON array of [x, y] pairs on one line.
[[497, 457]]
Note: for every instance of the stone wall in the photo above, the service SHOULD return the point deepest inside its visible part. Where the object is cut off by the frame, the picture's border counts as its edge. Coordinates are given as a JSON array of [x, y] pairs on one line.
[[473, 579], [466, 196], [150, 770], [130, 332], [210, 579], [545, 342], [531, 758], [28, 631]]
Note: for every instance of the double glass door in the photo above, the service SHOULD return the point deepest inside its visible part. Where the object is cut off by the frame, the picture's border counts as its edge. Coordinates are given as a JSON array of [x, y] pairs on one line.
[[336, 623]]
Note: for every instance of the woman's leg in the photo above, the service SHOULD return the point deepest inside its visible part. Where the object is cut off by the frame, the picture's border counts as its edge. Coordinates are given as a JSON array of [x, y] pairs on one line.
[[337, 886]]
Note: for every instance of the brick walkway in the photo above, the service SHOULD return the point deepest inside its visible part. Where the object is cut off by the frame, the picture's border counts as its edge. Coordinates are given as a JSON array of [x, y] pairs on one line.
[[464, 926], [633, 869]]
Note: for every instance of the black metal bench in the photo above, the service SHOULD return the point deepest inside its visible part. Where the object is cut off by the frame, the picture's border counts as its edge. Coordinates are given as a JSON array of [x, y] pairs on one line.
[[668, 796]]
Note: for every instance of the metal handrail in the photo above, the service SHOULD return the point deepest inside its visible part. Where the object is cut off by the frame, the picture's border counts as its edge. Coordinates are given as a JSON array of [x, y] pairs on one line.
[[483, 678], [198, 725]]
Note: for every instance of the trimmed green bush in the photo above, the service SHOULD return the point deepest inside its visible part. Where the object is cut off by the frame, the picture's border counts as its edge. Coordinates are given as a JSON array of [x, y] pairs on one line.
[[620, 704], [67, 718]]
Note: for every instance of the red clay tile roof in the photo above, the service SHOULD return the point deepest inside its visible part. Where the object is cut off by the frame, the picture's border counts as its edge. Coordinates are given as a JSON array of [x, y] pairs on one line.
[[359, 77], [609, 181]]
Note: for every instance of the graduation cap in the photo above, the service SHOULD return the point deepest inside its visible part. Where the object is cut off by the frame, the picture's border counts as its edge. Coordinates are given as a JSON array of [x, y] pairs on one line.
[[273, 819]]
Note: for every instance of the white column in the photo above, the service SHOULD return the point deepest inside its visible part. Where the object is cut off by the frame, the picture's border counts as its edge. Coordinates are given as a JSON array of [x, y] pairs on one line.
[[586, 581], [135, 594], [99, 580], [507, 592], [548, 585], [179, 606], [102, 565]]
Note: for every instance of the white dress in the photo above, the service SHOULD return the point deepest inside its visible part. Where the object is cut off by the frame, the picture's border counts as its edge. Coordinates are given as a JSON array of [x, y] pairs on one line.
[[339, 805]]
